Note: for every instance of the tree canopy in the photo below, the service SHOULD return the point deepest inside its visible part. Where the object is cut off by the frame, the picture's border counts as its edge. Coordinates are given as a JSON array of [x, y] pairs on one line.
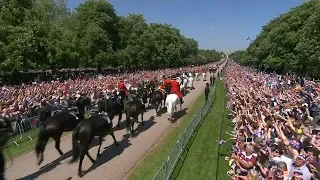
[[45, 34], [288, 43]]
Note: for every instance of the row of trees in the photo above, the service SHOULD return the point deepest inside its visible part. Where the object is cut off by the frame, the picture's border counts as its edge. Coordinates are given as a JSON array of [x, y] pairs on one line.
[[288, 43], [45, 34]]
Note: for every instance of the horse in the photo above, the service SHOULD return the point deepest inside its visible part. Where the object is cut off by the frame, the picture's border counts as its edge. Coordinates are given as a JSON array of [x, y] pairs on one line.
[[97, 125], [5, 131], [145, 95], [190, 82], [197, 76], [171, 102], [157, 98], [132, 109], [183, 85], [55, 125], [112, 105], [204, 76]]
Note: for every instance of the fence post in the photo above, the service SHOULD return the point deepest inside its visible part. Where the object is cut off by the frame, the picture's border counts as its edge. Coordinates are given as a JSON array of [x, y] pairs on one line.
[[165, 170]]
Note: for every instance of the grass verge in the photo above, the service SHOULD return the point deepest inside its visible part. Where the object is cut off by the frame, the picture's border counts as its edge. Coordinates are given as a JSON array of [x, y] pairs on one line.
[[25, 144], [152, 162], [201, 157]]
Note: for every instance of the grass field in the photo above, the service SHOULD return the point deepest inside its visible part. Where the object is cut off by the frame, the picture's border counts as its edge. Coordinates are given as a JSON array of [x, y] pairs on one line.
[[200, 160], [151, 163], [24, 144]]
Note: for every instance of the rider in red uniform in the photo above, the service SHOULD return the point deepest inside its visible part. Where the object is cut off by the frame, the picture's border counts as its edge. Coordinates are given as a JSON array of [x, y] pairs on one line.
[[197, 70], [175, 89], [122, 86], [134, 82], [110, 87], [204, 70]]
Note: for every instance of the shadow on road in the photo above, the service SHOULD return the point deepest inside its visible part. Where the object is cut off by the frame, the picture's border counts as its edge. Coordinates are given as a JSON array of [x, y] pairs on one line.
[[179, 114], [110, 152], [141, 128], [50, 166]]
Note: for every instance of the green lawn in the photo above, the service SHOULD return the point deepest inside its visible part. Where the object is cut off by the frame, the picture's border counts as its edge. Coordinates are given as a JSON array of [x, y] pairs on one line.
[[151, 163], [200, 160], [24, 145]]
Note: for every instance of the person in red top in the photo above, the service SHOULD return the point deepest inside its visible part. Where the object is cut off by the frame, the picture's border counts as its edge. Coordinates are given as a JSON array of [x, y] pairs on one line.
[[134, 82], [122, 86], [110, 87], [146, 75], [175, 89], [245, 160], [204, 70], [66, 89]]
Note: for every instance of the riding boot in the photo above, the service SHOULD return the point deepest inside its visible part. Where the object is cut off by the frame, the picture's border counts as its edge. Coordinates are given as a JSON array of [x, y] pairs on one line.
[[181, 100]]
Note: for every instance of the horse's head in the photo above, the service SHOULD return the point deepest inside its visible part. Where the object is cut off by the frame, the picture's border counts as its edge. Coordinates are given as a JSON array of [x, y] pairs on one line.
[[5, 129]]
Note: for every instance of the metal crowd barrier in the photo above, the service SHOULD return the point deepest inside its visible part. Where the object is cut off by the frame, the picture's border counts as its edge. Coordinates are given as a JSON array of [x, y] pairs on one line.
[[166, 170], [26, 125]]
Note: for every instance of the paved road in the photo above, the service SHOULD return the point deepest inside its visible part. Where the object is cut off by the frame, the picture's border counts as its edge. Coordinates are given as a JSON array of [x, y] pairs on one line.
[[114, 162]]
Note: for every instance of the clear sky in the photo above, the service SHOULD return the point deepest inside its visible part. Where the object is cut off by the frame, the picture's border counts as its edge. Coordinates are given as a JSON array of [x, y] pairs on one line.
[[216, 24]]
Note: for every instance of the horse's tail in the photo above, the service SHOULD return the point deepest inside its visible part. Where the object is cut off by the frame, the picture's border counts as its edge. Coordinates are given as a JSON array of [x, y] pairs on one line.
[[44, 136], [169, 105], [75, 145], [128, 122]]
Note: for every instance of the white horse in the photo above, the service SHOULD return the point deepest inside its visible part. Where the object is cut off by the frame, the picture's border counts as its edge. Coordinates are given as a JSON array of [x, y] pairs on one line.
[[190, 82], [183, 85], [197, 76], [204, 76], [172, 101]]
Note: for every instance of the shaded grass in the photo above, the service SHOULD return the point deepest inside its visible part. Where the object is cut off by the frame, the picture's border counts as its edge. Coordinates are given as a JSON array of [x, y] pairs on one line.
[[25, 145], [152, 162], [201, 157]]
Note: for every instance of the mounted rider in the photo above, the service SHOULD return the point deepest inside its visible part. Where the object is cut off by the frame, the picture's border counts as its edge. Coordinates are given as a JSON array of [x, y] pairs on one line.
[[175, 89], [122, 86], [147, 86]]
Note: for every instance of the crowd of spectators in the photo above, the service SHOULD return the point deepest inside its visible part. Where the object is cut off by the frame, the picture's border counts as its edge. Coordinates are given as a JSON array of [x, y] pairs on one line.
[[21, 101], [275, 117]]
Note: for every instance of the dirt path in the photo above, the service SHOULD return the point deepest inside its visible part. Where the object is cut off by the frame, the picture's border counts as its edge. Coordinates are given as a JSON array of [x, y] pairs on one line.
[[114, 162]]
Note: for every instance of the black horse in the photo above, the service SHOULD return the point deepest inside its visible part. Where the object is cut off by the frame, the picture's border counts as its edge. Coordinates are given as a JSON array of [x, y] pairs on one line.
[[5, 132], [54, 126], [157, 97], [133, 109], [82, 136], [113, 105]]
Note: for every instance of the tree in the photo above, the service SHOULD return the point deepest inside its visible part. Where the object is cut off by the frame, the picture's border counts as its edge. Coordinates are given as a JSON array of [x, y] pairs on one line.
[[44, 34], [288, 43]]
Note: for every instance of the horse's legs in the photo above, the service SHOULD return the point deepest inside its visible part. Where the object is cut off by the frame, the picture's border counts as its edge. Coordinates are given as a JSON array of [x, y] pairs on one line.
[[134, 120], [57, 142], [100, 142], [120, 118], [149, 101], [83, 152], [2, 166], [114, 139], [142, 119], [89, 156], [157, 107]]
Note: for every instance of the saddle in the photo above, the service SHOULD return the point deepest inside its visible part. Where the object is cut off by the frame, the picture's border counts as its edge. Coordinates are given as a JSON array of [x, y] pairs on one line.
[[74, 111], [105, 116]]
